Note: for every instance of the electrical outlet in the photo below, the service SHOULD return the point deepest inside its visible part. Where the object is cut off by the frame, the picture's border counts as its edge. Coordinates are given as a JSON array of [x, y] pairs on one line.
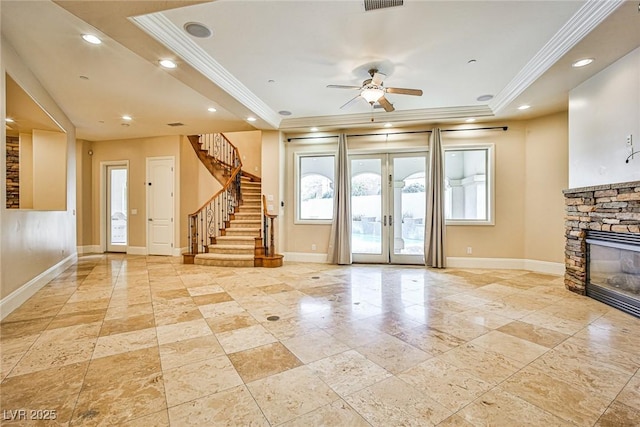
[[313, 247], [469, 250]]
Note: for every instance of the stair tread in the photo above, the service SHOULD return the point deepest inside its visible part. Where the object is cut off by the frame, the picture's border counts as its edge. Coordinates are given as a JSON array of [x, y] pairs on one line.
[[225, 256], [219, 246]]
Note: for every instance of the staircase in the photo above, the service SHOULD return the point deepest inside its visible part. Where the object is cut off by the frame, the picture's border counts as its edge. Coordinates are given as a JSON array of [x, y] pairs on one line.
[[236, 246], [228, 230]]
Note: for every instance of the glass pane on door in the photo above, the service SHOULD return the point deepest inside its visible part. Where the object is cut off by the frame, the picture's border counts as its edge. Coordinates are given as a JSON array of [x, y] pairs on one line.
[[366, 206], [117, 206], [409, 204]]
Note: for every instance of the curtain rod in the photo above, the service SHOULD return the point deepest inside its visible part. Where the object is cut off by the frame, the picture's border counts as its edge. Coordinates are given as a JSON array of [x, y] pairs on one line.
[[504, 128]]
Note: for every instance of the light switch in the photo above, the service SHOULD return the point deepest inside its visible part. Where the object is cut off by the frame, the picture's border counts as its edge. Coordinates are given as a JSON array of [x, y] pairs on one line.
[[134, 211], [270, 197]]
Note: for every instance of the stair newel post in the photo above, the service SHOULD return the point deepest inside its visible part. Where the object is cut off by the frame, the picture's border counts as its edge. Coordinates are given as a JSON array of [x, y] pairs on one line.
[[272, 245], [265, 228]]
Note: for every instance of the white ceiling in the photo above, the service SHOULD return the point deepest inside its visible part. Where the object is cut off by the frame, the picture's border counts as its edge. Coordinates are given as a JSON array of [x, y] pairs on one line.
[[523, 51]]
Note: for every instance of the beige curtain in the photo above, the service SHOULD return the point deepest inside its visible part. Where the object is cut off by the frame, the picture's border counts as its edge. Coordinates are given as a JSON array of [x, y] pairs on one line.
[[340, 239], [434, 230]]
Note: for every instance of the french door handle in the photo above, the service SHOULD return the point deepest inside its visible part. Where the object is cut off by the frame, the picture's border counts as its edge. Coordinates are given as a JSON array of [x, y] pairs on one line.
[[385, 221], [390, 220]]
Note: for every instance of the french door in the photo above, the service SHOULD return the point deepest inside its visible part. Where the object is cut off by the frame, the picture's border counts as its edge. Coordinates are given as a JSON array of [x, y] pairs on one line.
[[388, 207], [116, 191]]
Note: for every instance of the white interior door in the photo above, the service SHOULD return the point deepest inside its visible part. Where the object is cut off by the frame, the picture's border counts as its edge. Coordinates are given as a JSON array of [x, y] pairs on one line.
[[388, 208], [160, 205], [116, 212]]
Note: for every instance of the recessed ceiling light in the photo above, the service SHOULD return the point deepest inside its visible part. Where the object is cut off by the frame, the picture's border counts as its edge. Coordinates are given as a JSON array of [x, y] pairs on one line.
[[127, 118], [471, 120], [167, 63], [197, 29], [388, 125], [484, 98], [211, 110], [524, 107], [284, 113], [314, 129], [582, 62], [9, 120], [90, 38], [251, 119]]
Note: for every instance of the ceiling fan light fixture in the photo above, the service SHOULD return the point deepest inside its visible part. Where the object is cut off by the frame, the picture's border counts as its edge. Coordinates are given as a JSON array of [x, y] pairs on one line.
[[371, 93]]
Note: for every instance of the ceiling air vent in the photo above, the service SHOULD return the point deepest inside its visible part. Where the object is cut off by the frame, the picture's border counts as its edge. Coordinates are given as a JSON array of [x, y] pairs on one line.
[[176, 124], [381, 4]]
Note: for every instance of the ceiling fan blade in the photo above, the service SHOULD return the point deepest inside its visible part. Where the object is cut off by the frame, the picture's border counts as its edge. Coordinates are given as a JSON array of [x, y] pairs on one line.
[[378, 78], [401, 91], [351, 102], [343, 87], [385, 104]]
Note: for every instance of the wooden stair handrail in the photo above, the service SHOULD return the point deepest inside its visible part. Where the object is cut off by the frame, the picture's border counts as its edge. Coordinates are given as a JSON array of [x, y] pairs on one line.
[[224, 188]]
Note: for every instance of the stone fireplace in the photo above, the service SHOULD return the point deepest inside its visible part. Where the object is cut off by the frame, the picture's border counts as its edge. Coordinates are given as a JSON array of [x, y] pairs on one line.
[[602, 251]]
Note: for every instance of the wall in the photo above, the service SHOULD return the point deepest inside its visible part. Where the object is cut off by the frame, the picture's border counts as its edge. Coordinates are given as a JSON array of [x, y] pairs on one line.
[[26, 171], [49, 175], [603, 111], [546, 175], [249, 145], [273, 180], [34, 244], [84, 169], [135, 151], [530, 174]]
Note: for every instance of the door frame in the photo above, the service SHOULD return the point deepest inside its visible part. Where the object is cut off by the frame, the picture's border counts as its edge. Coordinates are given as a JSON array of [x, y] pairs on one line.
[[147, 203], [103, 200], [387, 205]]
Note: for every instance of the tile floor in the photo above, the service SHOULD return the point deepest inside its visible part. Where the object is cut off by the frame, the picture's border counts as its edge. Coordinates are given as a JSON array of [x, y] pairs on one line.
[[148, 341]]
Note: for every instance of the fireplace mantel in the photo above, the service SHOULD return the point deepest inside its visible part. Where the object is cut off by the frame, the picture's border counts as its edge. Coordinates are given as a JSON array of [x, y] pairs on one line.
[[610, 207]]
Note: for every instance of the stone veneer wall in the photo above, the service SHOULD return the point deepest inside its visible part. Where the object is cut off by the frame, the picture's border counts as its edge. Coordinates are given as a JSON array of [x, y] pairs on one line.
[[611, 207], [13, 172]]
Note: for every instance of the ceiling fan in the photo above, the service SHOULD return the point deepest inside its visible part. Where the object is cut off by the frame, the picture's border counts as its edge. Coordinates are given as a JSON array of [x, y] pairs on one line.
[[373, 90]]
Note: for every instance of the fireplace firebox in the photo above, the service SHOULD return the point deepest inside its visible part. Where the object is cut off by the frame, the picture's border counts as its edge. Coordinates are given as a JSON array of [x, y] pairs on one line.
[[613, 269]]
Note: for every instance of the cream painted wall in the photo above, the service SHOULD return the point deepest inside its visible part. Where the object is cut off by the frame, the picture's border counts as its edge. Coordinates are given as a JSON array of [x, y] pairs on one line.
[[547, 172], [26, 171], [83, 192], [273, 180], [135, 151], [530, 172], [249, 145], [197, 186], [32, 242], [49, 170], [603, 111]]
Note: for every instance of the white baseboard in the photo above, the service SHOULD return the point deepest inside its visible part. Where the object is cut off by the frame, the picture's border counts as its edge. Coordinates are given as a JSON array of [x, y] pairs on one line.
[[89, 249], [507, 264], [18, 297], [179, 251], [136, 250], [305, 257]]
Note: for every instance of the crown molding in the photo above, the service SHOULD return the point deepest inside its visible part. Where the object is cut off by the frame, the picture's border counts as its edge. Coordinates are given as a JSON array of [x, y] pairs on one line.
[[589, 16], [361, 119], [163, 30]]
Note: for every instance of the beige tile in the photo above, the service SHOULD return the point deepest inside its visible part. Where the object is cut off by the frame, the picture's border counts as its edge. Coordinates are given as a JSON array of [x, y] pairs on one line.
[[199, 379], [74, 319], [392, 354], [128, 311], [355, 335], [600, 351], [627, 342], [125, 342], [619, 415], [54, 389], [536, 334], [314, 346], [454, 421], [348, 372], [187, 351], [230, 407], [500, 408], [230, 322], [556, 396], [630, 395], [157, 419], [447, 384], [221, 309], [204, 290], [127, 324], [285, 396], [263, 361], [481, 362], [212, 298], [514, 348], [23, 328], [183, 331], [554, 323], [338, 413], [430, 340], [245, 338], [394, 402], [289, 328], [12, 350]]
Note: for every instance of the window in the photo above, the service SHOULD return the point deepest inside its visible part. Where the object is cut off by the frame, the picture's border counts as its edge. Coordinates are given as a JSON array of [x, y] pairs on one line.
[[468, 184], [315, 187]]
